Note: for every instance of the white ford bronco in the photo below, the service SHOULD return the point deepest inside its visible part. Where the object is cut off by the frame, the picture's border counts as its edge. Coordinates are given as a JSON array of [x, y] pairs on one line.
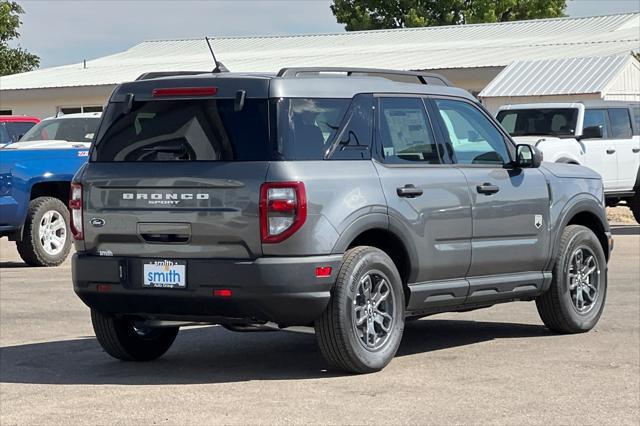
[[602, 135]]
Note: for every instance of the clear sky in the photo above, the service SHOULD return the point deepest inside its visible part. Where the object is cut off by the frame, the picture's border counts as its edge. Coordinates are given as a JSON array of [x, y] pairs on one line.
[[68, 31]]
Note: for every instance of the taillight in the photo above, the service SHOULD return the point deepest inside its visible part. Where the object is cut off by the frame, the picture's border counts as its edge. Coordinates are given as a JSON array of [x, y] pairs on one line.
[[283, 210], [75, 205]]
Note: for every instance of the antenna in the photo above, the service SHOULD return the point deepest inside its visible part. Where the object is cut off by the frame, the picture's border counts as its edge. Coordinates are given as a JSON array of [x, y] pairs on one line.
[[215, 61]]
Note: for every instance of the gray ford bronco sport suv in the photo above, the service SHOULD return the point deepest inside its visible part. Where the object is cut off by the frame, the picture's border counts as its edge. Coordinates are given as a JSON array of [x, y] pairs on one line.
[[349, 200]]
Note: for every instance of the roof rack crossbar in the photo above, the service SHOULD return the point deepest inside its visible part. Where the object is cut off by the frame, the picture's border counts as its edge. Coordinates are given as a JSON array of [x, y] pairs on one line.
[[421, 77]]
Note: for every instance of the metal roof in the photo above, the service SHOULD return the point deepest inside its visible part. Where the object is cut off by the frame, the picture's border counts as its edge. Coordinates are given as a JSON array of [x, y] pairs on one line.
[[557, 76], [458, 46]]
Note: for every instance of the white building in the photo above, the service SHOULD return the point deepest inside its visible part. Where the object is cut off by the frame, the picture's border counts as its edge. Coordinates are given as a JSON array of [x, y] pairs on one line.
[[471, 56], [611, 78]]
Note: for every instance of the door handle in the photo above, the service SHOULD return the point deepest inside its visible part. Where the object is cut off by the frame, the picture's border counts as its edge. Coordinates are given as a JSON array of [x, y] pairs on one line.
[[487, 188], [409, 191], [635, 150], [611, 151]]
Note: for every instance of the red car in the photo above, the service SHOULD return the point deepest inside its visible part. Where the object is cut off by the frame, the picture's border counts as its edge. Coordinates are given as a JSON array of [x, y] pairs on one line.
[[12, 127]]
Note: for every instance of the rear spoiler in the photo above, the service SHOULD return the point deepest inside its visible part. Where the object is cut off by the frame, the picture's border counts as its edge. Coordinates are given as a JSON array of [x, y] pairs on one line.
[[158, 74]]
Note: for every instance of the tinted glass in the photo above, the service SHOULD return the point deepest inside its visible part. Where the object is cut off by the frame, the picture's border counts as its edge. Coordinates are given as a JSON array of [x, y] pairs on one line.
[[596, 118], [552, 121], [405, 132], [620, 123], [65, 129], [12, 131], [353, 139], [473, 137], [306, 127], [193, 130]]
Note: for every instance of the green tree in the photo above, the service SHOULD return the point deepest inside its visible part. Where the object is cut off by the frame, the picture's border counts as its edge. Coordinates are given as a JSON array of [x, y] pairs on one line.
[[13, 60], [381, 14]]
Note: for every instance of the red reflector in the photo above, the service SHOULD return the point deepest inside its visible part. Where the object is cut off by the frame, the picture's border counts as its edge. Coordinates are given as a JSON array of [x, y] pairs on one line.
[[185, 91], [323, 271], [282, 205], [222, 292], [103, 288]]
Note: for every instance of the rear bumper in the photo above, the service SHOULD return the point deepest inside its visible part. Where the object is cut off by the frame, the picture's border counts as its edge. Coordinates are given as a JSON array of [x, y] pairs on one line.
[[283, 290]]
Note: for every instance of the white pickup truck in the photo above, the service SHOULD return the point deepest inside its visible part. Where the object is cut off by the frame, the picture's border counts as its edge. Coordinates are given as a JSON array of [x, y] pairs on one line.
[[601, 135]]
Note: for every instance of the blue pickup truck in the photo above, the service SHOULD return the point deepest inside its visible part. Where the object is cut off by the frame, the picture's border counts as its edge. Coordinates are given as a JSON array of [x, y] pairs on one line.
[[35, 176]]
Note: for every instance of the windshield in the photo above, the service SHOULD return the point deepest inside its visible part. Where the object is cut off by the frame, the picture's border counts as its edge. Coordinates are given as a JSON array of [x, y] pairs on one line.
[[539, 122], [65, 129], [12, 131]]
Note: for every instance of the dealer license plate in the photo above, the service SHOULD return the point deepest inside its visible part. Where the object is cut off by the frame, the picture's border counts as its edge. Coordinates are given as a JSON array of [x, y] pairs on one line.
[[165, 274]]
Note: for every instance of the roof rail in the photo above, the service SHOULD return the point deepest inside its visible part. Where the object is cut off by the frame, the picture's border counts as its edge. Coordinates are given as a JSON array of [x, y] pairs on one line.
[[158, 74], [420, 77]]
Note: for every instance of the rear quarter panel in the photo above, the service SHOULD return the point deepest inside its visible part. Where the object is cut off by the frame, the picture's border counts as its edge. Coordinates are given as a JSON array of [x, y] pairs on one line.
[[339, 194]]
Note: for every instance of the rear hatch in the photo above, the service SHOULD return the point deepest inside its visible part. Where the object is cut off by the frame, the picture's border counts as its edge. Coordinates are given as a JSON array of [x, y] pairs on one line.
[[177, 176]]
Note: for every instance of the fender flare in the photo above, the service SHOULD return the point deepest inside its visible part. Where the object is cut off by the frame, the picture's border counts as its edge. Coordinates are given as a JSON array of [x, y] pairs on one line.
[[578, 204], [380, 221], [364, 223]]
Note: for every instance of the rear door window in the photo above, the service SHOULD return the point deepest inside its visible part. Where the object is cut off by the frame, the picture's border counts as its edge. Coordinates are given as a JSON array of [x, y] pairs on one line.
[[185, 130], [405, 132], [620, 123]]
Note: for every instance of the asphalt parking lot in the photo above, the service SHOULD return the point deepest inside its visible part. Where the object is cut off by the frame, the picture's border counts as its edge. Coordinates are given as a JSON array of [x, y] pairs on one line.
[[498, 365]]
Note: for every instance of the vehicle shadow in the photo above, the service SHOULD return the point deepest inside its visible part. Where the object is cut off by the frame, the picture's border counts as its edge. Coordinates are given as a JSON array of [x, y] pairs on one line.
[[215, 355], [625, 229]]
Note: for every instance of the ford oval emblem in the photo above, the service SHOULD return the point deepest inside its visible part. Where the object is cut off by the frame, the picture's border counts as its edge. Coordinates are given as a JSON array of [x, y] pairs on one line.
[[97, 222]]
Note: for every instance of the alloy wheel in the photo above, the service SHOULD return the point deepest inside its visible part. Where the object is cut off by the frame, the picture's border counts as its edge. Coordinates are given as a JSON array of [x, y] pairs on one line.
[[373, 310]]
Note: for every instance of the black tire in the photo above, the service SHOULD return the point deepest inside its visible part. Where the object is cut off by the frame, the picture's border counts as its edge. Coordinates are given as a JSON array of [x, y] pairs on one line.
[[121, 340], [634, 205], [557, 306], [31, 248], [336, 332]]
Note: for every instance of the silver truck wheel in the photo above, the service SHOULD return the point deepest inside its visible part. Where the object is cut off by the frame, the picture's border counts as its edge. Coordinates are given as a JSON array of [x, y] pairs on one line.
[[361, 329], [575, 299], [46, 239]]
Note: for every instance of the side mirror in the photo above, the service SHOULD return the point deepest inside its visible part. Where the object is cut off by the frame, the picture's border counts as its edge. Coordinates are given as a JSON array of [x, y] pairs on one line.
[[528, 156], [592, 132]]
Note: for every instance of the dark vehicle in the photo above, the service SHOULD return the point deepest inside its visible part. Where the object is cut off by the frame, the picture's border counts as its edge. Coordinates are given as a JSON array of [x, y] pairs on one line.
[[347, 200]]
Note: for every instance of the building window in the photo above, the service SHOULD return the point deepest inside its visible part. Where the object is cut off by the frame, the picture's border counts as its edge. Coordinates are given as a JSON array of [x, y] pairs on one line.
[[69, 110], [79, 109], [92, 109], [6, 112]]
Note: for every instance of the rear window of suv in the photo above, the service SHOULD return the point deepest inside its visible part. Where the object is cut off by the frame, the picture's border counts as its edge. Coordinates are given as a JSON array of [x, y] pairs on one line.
[[213, 130], [193, 130]]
